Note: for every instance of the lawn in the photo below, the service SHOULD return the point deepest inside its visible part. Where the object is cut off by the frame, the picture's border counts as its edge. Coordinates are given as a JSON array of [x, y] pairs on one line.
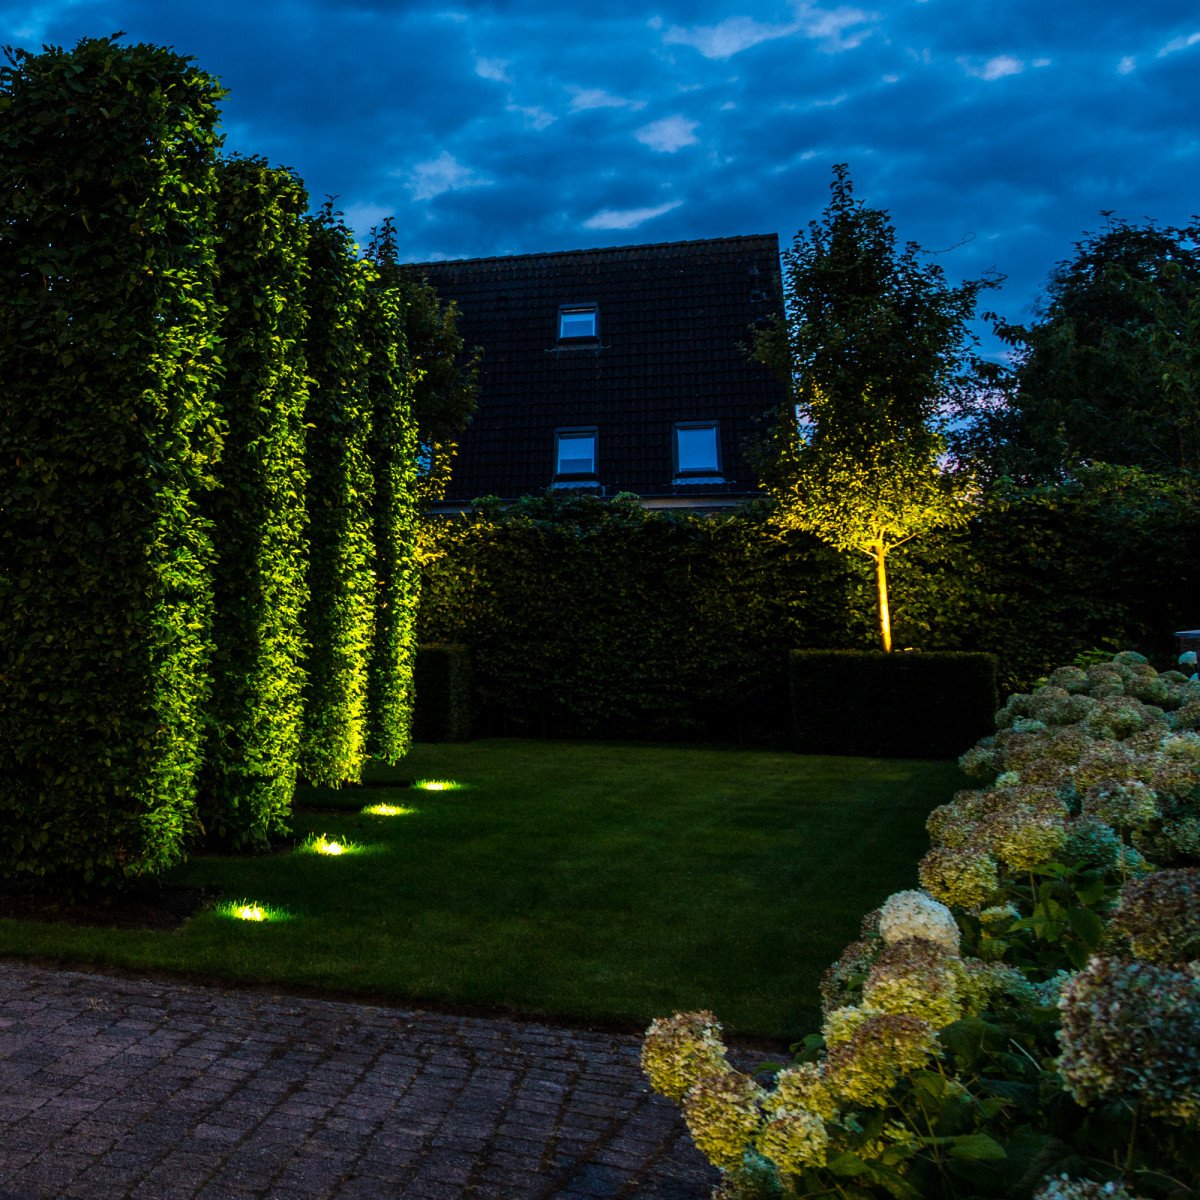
[[594, 882]]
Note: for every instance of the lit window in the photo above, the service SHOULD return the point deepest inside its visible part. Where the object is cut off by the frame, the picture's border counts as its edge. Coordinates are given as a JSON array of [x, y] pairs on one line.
[[696, 449], [578, 321], [575, 452]]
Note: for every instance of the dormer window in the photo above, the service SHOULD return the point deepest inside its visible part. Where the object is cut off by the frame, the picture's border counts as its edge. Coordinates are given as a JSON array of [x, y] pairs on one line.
[[578, 322], [697, 449], [574, 453]]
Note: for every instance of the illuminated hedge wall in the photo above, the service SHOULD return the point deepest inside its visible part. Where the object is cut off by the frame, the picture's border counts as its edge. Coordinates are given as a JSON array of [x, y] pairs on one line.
[[339, 618], [108, 434], [258, 507], [591, 618]]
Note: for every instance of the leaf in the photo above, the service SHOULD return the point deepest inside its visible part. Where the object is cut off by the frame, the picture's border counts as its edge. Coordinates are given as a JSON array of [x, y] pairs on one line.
[[976, 1147]]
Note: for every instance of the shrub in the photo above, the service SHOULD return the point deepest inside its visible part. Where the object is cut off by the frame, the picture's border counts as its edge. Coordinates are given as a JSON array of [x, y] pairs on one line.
[[890, 705], [108, 433], [258, 507], [1030, 1022], [339, 617], [442, 686]]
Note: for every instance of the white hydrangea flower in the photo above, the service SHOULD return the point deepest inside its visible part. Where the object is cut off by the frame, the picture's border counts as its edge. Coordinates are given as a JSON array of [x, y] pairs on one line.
[[914, 914]]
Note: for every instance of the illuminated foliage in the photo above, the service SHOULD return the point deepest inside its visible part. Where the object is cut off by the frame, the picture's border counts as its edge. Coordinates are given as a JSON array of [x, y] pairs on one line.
[[339, 618], [873, 346], [258, 507], [108, 435]]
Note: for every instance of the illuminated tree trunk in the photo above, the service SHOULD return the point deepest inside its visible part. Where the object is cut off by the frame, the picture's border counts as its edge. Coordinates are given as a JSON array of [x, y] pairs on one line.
[[879, 553]]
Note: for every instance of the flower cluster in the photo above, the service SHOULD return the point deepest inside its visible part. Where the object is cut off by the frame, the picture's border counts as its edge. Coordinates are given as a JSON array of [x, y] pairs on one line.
[[914, 914], [1160, 915], [1132, 1029], [679, 1050], [1063, 1187], [723, 1112]]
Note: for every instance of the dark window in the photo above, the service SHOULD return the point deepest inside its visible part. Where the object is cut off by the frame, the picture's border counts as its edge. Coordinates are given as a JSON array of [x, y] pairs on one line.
[[575, 452], [578, 321], [697, 448]]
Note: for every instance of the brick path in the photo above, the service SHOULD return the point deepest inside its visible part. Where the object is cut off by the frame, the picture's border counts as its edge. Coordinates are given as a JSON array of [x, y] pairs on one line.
[[113, 1087]]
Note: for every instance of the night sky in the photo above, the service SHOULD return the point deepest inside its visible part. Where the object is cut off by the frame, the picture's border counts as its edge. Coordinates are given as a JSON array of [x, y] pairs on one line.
[[995, 134]]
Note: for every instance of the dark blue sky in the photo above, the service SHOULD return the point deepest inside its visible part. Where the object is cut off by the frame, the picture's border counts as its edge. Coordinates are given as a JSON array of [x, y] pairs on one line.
[[994, 133]]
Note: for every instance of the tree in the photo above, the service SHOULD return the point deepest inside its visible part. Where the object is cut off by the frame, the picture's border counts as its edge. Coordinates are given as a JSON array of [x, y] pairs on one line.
[[1111, 370], [873, 343], [445, 378]]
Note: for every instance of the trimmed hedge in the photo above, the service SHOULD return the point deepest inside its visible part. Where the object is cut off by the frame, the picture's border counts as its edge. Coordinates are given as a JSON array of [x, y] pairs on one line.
[[442, 690], [258, 508], [339, 618], [107, 434], [868, 703], [393, 455]]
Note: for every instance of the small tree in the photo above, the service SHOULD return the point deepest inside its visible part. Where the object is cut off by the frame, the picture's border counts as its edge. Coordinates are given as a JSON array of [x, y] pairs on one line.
[[873, 344]]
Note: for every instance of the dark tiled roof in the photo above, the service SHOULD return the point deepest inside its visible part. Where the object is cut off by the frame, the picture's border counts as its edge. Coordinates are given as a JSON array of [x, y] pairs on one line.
[[674, 324]]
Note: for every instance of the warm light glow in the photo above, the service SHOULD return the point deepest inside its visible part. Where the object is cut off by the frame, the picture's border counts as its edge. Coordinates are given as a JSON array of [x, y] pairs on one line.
[[331, 847], [438, 785], [387, 810], [252, 910], [249, 912]]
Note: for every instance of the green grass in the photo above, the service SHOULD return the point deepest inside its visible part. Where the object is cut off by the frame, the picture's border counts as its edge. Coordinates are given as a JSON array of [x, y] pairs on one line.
[[589, 881]]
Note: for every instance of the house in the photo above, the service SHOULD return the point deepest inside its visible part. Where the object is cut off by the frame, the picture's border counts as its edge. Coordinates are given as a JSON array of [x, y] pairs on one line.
[[616, 370]]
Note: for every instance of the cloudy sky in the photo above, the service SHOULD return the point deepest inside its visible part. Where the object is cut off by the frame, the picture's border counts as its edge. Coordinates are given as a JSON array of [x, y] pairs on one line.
[[995, 134]]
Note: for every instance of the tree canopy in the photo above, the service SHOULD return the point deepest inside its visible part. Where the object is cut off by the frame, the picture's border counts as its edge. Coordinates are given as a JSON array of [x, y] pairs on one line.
[[1110, 370]]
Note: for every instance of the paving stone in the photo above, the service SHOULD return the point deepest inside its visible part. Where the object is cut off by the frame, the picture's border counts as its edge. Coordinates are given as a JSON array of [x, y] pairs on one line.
[[114, 1086]]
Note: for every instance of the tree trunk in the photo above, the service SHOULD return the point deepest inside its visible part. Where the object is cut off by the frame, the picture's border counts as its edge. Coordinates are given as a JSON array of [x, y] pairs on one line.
[[885, 615]]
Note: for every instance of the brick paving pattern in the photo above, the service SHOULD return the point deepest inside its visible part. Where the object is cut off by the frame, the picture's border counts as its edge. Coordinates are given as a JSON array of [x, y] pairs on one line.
[[113, 1087]]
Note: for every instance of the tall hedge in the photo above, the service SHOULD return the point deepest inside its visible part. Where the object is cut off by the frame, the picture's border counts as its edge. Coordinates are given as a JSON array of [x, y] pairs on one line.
[[393, 454], [258, 507], [108, 430], [339, 617], [589, 618]]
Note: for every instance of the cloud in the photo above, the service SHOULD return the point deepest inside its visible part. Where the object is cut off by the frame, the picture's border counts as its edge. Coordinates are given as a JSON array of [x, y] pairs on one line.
[[1179, 43], [627, 218], [495, 69], [587, 98], [443, 174], [1127, 65], [534, 116], [668, 135], [835, 29], [994, 68]]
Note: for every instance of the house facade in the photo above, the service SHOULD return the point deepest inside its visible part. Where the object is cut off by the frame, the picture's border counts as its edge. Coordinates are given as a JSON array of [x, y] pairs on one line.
[[616, 370]]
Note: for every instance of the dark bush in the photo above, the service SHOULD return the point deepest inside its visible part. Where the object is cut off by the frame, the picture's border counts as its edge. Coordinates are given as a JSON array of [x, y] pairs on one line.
[[914, 705], [442, 688], [108, 432]]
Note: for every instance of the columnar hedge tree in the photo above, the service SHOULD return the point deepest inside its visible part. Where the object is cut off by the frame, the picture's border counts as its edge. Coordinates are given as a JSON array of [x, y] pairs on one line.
[[258, 507], [107, 432], [393, 454], [340, 615]]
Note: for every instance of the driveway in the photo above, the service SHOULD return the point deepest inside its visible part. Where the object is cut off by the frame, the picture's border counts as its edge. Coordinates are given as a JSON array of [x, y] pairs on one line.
[[117, 1087]]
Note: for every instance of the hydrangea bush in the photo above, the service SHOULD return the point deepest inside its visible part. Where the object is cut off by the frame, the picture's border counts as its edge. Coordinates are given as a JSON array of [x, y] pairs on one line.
[[1027, 1023]]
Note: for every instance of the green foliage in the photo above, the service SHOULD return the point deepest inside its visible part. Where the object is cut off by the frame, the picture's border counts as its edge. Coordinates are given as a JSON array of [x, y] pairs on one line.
[[571, 606], [107, 434], [873, 345], [1033, 1014], [1111, 370], [444, 379], [600, 619], [393, 455], [442, 687], [890, 705], [258, 507], [339, 617]]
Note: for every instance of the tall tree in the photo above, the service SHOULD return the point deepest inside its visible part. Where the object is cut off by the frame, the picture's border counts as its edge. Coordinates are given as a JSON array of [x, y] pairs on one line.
[[874, 343], [1110, 372]]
